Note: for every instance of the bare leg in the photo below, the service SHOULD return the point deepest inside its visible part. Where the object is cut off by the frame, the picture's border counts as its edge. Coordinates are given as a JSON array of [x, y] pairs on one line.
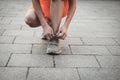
[[31, 19], [56, 11]]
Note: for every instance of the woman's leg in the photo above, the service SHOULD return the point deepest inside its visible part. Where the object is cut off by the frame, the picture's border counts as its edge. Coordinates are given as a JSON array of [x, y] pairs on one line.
[[31, 19], [56, 12]]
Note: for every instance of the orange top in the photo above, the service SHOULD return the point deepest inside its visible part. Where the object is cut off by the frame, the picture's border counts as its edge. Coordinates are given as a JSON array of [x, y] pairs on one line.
[[45, 5]]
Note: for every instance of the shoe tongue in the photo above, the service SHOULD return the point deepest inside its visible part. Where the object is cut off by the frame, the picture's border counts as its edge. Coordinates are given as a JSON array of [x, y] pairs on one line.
[[54, 42]]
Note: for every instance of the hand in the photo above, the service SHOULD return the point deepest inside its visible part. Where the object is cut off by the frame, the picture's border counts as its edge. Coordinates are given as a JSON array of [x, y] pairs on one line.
[[48, 32], [62, 32]]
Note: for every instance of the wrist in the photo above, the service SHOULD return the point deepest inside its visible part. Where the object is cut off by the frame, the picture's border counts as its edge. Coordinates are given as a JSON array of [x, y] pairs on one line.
[[65, 26], [44, 26]]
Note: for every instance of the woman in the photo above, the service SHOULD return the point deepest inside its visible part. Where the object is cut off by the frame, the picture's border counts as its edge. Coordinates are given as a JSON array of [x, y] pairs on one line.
[[48, 14]]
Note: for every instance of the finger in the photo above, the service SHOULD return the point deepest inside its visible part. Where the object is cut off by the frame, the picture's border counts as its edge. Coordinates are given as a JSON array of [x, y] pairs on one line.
[[52, 33], [61, 34], [64, 36], [58, 33], [50, 36], [47, 37]]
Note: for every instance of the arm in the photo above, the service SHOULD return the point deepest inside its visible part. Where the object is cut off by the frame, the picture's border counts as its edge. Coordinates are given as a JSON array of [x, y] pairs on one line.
[[38, 11], [48, 32], [71, 11], [62, 33]]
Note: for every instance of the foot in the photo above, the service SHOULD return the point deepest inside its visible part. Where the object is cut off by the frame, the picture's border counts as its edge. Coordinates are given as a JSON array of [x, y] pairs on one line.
[[53, 47]]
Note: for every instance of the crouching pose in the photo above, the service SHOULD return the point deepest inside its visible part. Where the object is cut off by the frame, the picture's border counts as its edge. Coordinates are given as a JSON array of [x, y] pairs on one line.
[[48, 14]]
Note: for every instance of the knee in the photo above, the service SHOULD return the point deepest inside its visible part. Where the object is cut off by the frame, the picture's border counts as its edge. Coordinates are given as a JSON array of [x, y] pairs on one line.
[[29, 21]]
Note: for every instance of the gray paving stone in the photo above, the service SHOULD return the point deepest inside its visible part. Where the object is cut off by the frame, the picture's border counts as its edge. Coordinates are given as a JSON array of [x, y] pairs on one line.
[[94, 50], [39, 49], [99, 74], [15, 48], [109, 61], [1, 32], [99, 41], [30, 60], [1, 18], [6, 39], [75, 61], [13, 73], [65, 49], [53, 74], [31, 40], [115, 50], [3, 59], [18, 32], [117, 40], [5, 21], [107, 34], [69, 41], [38, 33], [10, 27], [17, 22], [81, 34], [12, 18], [6, 15]]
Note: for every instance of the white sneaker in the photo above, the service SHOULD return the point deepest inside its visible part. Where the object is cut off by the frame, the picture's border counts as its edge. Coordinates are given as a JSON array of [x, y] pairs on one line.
[[53, 47]]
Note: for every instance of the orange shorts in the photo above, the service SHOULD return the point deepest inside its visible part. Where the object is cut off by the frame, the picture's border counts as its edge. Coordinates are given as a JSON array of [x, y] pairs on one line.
[[45, 5]]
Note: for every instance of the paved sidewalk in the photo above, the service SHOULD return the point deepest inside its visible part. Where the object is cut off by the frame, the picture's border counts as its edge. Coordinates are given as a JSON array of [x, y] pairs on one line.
[[90, 52]]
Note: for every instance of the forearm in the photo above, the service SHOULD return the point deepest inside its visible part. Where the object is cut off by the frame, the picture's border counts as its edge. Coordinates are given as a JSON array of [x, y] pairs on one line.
[[38, 11], [71, 11]]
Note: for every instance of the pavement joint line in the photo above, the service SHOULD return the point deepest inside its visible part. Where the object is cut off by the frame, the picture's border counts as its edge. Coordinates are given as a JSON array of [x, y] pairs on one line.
[[60, 67], [21, 53], [101, 45], [31, 49], [54, 65], [98, 61], [30, 66], [70, 49], [116, 41], [103, 37], [8, 60], [109, 50], [92, 45], [3, 32], [19, 43], [28, 69], [49, 67], [77, 67], [14, 40], [16, 43], [82, 41], [21, 27], [26, 43], [96, 44], [69, 54], [78, 74]]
